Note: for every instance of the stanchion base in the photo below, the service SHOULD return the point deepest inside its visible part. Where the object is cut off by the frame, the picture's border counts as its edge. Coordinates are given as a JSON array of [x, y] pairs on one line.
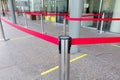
[[44, 32], [100, 32], [26, 26], [4, 39], [7, 39]]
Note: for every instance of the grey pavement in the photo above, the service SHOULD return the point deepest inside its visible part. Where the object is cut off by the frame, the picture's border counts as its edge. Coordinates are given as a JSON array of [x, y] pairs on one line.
[[24, 57]]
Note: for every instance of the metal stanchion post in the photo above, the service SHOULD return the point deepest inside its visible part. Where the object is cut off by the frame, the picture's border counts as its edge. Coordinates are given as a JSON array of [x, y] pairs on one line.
[[64, 27], [26, 21], [17, 17], [101, 27], [8, 15], [2, 31], [55, 6], [64, 48], [42, 23], [42, 20], [100, 8]]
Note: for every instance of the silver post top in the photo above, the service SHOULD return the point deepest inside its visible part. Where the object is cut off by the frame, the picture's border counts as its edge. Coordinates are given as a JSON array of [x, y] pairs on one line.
[[67, 39], [64, 37]]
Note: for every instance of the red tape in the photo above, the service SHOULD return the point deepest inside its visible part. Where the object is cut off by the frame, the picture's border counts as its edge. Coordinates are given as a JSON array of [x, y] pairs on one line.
[[75, 41], [85, 41], [4, 11], [91, 19], [36, 34], [46, 14], [56, 14], [19, 12], [86, 15], [33, 13]]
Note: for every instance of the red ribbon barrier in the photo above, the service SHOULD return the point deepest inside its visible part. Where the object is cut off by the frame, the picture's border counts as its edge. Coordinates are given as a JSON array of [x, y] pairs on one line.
[[75, 41], [19, 12], [91, 19], [67, 14], [51, 14], [85, 41], [46, 14], [86, 15], [56, 14], [33, 13], [36, 34], [29, 13], [4, 11]]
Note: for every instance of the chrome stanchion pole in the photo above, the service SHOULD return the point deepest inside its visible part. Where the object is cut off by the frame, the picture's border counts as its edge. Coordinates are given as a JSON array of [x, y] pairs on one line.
[[26, 20], [102, 22], [64, 27], [64, 48], [42, 24], [26, 23], [8, 15], [18, 21], [42, 20], [100, 9], [2, 31]]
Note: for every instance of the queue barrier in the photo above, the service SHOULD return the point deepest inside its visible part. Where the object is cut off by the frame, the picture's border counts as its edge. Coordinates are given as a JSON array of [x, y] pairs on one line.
[[4, 11], [33, 13], [42, 13], [34, 33], [51, 14], [95, 15], [59, 14], [91, 19], [47, 14], [74, 41], [55, 14], [65, 43]]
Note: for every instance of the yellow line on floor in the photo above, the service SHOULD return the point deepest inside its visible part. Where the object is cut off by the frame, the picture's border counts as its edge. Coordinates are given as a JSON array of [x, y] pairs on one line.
[[79, 57], [50, 70], [115, 45], [56, 67]]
